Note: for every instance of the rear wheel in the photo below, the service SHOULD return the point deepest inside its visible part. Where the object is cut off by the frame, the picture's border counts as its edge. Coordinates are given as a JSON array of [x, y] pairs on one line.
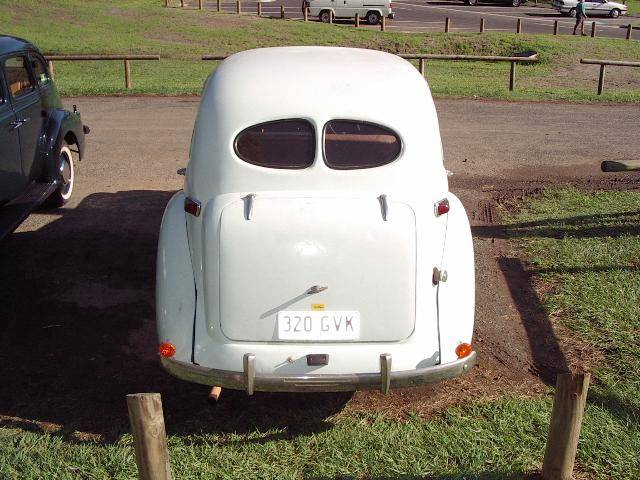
[[615, 13], [516, 3], [325, 16], [572, 13], [472, 2], [65, 178], [373, 18]]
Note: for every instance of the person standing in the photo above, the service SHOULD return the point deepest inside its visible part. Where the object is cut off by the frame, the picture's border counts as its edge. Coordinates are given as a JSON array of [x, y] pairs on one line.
[[580, 16]]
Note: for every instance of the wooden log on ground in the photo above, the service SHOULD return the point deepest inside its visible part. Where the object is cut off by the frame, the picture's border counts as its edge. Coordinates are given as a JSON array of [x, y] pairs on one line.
[[149, 437], [564, 431], [620, 166]]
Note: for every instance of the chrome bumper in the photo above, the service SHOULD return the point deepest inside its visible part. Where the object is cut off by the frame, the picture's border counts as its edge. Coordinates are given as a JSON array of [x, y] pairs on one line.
[[250, 381]]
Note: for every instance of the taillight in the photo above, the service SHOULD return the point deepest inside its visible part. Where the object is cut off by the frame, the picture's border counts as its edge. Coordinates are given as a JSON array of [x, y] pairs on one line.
[[167, 349], [192, 207], [441, 207]]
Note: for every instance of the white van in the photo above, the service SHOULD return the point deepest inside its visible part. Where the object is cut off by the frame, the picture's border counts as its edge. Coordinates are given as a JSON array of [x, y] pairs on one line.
[[370, 10]]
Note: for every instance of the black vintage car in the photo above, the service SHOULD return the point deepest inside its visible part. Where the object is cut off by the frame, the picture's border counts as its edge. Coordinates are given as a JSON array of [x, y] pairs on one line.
[[38, 138]]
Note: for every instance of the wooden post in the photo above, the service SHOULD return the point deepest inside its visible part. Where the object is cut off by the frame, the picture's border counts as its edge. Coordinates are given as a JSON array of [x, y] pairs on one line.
[[601, 79], [564, 431], [259, 9], [593, 29], [50, 68], [181, 3], [149, 437], [127, 74], [166, 3], [582, 28], [512, 76], [219, 5], [555, 27], [519, 26], [383, 24], [306, 14], [482, 25], [199, 4], [238, 7], [282, 11], [447, 25], [357, 20], [629, 28], [421, 66], [330, 16]]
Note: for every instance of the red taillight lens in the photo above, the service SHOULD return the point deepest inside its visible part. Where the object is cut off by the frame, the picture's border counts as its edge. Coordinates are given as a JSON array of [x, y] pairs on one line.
[[192, 207], [463, 350], [167, 349], [442, 207]]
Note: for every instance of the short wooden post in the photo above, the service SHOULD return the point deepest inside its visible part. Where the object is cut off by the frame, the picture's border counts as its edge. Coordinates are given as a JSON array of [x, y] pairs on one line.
[[127, 74], [629, 28], [259, 9], [383, 24], [601, 79], [519, 26], [582, 28], [199, 4], [306, 14], [50, 68], [238, 7], [166, 3], [512, 76], [447, 25], [357, 20], [593, 29], [482, 25], [555, 27], [564, 431], [149, 437], [421, 66], [181, 3], [330, 16], [281, 11], [219, 5]]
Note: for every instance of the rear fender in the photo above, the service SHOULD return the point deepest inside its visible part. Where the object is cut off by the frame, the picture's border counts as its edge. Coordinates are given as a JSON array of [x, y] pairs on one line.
[[456, 295], [175, 285], [61, 125]]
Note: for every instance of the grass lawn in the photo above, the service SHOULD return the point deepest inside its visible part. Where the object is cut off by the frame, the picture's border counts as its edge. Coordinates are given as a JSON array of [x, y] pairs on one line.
[[583, 251], [182, 36]]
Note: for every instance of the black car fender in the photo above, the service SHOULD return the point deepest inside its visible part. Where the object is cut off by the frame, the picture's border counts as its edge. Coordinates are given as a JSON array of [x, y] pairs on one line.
[[62, 125]]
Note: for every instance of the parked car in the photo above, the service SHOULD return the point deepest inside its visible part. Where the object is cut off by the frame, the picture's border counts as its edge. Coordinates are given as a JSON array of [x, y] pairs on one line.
[[371, 12], [37, 136], [592, 8], [316, 245], [513, 3]]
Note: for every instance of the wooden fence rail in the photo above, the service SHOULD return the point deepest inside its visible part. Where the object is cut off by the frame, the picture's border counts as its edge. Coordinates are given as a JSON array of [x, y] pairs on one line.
[[603, 64], [90, 58]]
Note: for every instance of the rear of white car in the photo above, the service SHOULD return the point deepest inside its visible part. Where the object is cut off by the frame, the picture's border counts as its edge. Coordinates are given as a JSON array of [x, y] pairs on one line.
[[316, 246], [593, 8]]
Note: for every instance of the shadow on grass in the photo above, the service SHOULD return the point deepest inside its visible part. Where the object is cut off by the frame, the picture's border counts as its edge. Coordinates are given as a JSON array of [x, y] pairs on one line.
[[77, 325], [490, 475]]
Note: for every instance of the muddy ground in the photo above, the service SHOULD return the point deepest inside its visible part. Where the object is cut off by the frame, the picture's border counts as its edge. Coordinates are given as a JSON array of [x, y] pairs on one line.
[[77, 285]]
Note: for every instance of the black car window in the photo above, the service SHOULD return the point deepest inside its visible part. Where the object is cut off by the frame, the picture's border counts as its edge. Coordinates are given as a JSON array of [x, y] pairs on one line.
[[280, 144], [16, 72], [40, 72], [350, 144]]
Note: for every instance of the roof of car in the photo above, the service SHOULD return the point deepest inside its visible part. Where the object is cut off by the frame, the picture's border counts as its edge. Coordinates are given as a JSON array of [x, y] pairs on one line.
[[10, 44]]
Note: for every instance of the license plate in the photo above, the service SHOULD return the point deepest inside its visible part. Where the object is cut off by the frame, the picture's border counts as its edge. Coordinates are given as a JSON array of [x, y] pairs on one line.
[[319, 325]]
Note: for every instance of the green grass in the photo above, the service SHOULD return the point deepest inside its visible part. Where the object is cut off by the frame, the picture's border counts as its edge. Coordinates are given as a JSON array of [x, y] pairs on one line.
[[583, 249], [182, 36]]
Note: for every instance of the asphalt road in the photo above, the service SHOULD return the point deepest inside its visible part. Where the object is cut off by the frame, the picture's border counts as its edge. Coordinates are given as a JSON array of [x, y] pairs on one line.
[[429, 16]]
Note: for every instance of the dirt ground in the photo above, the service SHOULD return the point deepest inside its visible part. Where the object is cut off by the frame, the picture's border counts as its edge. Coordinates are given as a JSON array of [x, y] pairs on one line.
[[77, 284]]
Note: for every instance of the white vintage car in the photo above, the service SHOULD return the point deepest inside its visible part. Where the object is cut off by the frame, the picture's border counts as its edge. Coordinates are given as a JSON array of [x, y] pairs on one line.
[[316, 245]]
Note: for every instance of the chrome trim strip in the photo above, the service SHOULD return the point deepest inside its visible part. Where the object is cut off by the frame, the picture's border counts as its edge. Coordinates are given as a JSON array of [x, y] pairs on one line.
[[385, 369], [316, 383]]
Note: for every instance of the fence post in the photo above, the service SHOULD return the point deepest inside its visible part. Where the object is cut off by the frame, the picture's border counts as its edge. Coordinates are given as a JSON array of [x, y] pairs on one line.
[[238, 7], [306, 14], [127, 74], [383, 24], [629, 28], [582, 29], [50, 69], [593, 29], [149, 437], [564, 430], [281, 11], [601, 79], [330, 16], [421, 66], [181, 3], [166, 3], [519, 26], [555, 27], [482, 25], [512, 76], [259, 9], [199, 4], [447, 25], [219, 5], [357, 20]]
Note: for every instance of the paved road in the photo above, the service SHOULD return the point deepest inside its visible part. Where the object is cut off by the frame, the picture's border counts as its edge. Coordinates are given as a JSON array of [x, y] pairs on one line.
[[429, 16]]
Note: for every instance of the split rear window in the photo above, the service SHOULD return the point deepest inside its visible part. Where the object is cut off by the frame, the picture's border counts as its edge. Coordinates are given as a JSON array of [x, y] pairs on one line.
[[291, 144]]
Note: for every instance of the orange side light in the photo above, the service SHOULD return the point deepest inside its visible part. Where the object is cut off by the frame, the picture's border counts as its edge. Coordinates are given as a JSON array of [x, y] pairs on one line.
[[463, 350], [167, 349]]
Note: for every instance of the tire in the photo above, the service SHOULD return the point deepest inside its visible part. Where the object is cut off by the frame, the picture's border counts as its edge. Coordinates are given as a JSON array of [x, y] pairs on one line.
[[373, 18], [472, 2], [325, 16], [572, 13], [516, 3], [615, 13], [66, 178]]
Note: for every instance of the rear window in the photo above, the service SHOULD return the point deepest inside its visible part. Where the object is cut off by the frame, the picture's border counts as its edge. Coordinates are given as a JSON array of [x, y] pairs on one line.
[[279, 144], [349, 144]]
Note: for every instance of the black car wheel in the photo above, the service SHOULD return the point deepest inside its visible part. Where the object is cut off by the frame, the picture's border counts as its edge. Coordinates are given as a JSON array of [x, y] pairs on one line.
[[472, 2], [572, 13], [373, 18], [65, 178], [516, 3], [325, 16], [615, 13]]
